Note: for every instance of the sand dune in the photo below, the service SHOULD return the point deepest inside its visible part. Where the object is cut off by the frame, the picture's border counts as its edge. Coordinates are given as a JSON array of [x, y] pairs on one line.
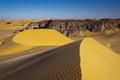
[[57, 64], [9, 47], [28, 39], [41, 37], [62, 63], [98, 62], [111, 41], [12, 24]]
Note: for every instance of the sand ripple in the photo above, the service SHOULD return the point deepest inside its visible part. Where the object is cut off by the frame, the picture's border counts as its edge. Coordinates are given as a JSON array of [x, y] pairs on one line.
[[63, 64]]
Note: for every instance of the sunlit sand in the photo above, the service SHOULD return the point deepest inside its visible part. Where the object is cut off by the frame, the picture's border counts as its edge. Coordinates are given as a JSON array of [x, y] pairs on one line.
[[41, 37], [98, 62], [1, 42]]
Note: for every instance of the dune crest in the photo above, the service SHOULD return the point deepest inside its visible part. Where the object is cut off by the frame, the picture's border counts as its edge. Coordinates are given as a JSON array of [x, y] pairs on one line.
[[41, 37], [98, 62]]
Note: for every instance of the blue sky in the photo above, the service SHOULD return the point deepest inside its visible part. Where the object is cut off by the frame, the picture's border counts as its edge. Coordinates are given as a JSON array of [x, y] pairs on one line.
[[59, 9]]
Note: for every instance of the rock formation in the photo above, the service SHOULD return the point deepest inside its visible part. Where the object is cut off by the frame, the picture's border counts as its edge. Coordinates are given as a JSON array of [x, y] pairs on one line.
[[73, 27]]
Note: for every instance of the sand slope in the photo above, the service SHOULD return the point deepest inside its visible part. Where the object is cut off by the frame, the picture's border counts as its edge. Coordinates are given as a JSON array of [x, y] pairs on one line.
[[41, 37], [111, 41], [9, 48], [98, 62], [62, 63]]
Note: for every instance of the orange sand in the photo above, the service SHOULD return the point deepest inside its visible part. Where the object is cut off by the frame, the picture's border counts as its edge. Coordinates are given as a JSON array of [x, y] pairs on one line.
[[98, 62], [41, 37]]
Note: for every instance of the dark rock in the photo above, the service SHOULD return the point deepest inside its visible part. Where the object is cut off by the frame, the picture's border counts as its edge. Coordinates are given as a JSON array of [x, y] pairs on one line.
[[76, 27], [9, 23], [118, 26]]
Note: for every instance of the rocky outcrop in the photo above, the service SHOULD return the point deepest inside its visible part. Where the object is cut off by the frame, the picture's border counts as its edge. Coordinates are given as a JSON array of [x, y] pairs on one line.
[[76, 27]]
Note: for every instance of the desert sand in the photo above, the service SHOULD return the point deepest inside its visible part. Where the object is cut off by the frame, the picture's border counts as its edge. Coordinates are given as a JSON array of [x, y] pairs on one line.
[[98, 62], [9, 47], [62, 63], [67, 60], [12, 24], [41, 37], [111, 41], [30, 40], [59, 63]]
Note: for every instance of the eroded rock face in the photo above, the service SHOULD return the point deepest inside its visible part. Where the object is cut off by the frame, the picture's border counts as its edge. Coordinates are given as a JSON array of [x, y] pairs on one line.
[[76, 27]]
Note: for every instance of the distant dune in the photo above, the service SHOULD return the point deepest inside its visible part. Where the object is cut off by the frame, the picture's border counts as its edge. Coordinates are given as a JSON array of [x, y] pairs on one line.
[[98, 62], [41, 37], [14, 24]]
